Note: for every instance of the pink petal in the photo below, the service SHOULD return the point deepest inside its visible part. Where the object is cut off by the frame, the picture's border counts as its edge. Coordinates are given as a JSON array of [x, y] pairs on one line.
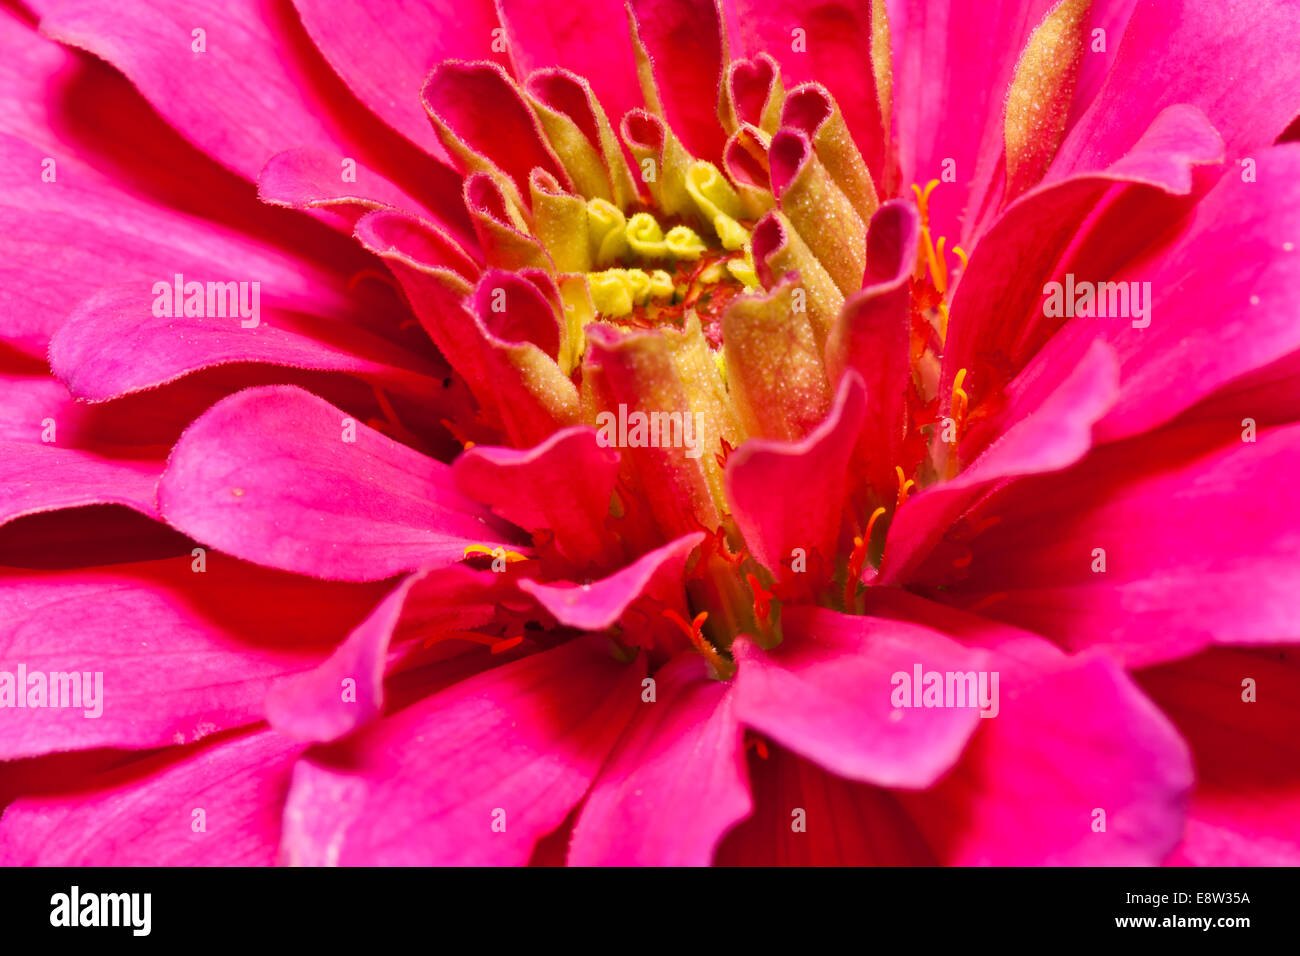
[[872, 335], [1226, 58], [826, 691], [837, 52], [676, 782], [145, 814], [80, 233], [563, 485], [36, 478], [589, 39], [114, 344], [312, 706], [687, 51], [1245, 810], [1198, 538], [1072, 735], [68, 103], [1052, 429], [997, 313], [269, 476], [842, 823], [787, 495], [477, 107], [211, 97], [601, 604], [954, 62], [383, 53], [182, 654], [519, 745], [1235, 268], [310, 178], [1033, 779]]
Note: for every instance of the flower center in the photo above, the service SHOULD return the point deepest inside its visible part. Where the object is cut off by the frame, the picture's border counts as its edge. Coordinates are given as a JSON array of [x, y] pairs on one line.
[[650, 272], [655, 253]]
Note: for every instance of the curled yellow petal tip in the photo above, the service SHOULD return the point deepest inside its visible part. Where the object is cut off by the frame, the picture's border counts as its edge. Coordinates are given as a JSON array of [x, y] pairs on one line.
[[683, 243], [607, 231], [645, 237]]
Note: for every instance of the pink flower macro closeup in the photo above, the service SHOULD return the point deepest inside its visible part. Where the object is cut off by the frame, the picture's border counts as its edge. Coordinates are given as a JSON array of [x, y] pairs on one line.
[[651, 433]]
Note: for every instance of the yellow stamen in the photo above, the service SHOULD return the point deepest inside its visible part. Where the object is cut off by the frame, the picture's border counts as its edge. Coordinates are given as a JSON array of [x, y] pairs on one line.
[[960, 403], [494, 552], [923, 207], [871, 523]]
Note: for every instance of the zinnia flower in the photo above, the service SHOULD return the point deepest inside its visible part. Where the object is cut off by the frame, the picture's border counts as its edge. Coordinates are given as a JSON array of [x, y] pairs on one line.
[[660, 434]]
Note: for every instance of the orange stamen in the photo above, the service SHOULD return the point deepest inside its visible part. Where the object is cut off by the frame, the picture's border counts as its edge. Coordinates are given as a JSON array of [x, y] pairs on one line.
[[904, 485], [456, 433], [858, 560], [721, 666], [940, 273], [922, 205]]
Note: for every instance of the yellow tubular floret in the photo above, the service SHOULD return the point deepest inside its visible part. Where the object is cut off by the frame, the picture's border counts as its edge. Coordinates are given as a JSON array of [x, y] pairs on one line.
[[661, 284], [616, 292], [646, 237], [607, 232], [610, 293], [683, 243], [719, 204], [743, 270], [638, 285]]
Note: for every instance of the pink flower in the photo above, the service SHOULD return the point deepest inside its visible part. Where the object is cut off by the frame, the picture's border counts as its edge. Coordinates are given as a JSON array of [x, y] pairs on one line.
[[597, 443]]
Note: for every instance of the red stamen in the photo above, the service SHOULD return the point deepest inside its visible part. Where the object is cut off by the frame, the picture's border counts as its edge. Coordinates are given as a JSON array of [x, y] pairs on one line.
[[762, 598]]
